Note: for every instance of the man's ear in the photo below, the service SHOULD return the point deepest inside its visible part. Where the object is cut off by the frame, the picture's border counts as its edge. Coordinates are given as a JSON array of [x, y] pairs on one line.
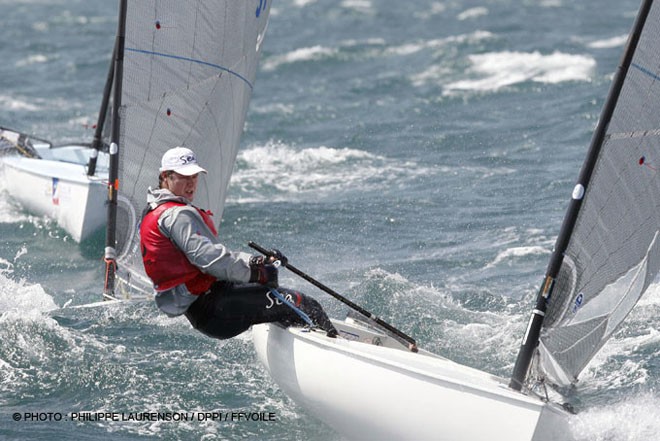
[[162, 179]]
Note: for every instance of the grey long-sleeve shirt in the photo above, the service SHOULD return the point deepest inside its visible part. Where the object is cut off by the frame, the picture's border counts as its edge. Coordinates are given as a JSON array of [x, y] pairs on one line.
[[184, 226]]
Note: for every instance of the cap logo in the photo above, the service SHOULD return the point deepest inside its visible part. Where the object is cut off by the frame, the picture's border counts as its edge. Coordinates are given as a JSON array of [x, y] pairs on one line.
[[185, 159]]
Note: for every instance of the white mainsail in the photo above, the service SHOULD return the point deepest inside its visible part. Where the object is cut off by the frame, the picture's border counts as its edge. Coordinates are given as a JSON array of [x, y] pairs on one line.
[[613, 251], [188, 74]]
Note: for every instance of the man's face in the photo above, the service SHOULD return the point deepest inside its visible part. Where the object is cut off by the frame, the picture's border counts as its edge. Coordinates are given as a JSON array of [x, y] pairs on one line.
[[181, 185]]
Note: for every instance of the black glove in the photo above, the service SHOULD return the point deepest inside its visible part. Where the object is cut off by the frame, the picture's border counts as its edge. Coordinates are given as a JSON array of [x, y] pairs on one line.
[[276, 255], [262, 272]]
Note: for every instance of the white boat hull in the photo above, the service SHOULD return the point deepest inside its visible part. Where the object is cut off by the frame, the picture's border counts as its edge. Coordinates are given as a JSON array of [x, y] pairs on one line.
[[372, 392], [60, 190]]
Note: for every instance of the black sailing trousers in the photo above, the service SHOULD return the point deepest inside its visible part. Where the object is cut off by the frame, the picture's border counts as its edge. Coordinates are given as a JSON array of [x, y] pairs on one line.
[[228, 309]]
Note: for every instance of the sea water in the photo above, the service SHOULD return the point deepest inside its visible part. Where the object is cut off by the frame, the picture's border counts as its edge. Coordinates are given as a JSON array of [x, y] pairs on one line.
[[416, 156]]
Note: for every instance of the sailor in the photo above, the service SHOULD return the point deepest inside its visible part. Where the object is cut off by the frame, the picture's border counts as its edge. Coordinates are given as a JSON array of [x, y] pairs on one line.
[[221, 292]]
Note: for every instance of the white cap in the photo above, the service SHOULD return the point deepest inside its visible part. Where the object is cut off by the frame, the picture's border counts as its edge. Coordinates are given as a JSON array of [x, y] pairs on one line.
[[181, 160]]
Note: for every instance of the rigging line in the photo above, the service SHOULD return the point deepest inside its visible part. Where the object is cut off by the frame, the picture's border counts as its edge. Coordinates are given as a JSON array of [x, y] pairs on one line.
[[297, 310], [192, 60]]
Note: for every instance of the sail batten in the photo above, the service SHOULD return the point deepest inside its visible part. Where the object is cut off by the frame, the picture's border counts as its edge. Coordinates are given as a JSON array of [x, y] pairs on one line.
[[634, 134]]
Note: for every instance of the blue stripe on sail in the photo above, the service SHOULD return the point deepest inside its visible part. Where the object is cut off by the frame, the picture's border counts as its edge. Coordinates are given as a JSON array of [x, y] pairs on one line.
[[192, 60], [646, 71]]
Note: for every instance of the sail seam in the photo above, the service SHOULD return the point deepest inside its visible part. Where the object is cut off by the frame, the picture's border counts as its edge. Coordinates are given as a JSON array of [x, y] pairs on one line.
[[192, 60], [645, 71]]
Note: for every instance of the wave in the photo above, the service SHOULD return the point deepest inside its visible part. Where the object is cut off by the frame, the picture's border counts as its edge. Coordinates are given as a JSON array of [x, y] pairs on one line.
[[277, 171], [32, 59], [363, 6], [618, 41], [482, 329], [10, 212], [371, 48], [313, 53], [471, 13], [634, 418], [303, 3], [21, 296], [14, 103], [497, 70], [477, 330], [623, 361], [517, 252]]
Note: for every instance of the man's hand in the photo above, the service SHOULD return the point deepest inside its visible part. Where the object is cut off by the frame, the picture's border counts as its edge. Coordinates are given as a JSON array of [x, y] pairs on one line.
[[276, 255], [263, 272]]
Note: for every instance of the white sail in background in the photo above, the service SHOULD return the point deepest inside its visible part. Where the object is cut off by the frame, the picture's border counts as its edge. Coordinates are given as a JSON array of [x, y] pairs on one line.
[[614, 251], [188, 74]]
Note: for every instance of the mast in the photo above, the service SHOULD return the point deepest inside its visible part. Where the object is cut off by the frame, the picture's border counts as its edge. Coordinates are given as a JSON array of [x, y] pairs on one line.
[[113, 178], [98, 133], [532, 334]]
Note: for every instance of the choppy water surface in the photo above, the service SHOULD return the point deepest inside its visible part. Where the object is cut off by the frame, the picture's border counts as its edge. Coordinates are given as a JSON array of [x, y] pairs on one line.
[[420, 156]]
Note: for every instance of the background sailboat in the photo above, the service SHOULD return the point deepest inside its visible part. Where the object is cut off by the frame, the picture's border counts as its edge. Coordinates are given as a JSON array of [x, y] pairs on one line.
[[67, 183], [54, 181]]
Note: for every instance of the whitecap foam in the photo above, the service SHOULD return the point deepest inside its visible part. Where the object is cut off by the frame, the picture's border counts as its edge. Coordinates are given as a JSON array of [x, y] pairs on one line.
[[623, 360], [435, 8], [471, 13], [517, 252], [501, 69], [652, 296], [278, 108], [633, 419], [313, 53], [618, 41], [372, 48], [485, 339], [32, 59], [23, 350], [433, 74], [364, 6], [279, 168], [303, 3], [21, 295], [411, 48], [9, 211], [13, 103]]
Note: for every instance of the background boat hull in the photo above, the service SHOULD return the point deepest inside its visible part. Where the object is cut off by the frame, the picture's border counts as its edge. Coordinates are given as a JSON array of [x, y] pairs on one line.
[[59, 190]]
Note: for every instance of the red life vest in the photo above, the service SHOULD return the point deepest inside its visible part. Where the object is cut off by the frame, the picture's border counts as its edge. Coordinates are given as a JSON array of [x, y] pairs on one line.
[[165, 264]]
